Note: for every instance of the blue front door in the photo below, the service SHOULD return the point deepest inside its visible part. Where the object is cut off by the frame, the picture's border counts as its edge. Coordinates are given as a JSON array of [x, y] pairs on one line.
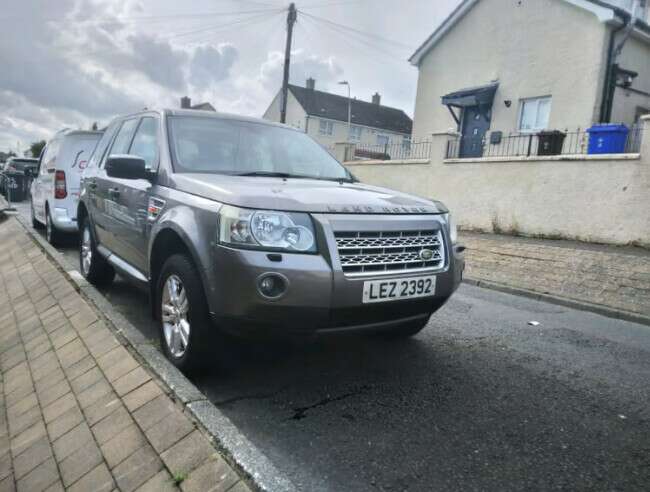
[[475, 125]]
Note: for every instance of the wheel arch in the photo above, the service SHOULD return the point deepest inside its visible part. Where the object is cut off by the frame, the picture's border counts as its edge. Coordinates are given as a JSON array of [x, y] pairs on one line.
[[170, 239]]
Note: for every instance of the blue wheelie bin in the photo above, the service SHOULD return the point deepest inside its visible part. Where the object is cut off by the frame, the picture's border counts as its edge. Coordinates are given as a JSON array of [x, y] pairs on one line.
[[607, 139]]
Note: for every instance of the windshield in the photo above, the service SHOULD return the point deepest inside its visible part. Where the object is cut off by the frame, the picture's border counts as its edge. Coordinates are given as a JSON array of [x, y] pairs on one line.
[[211, 145]]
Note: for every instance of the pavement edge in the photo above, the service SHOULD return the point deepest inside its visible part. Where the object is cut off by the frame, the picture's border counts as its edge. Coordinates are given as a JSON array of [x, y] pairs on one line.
[[253, 465], [561, 301]]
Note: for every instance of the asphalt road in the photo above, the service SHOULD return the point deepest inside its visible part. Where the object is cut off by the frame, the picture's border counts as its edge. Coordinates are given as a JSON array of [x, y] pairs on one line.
[[480, 400]]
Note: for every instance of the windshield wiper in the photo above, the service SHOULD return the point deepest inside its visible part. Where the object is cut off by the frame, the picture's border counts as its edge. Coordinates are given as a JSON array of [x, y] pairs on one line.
[[277, 174], [269, 174]]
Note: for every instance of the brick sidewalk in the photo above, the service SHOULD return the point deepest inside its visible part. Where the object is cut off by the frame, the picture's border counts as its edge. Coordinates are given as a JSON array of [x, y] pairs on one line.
[[77, 410], [615, 277]]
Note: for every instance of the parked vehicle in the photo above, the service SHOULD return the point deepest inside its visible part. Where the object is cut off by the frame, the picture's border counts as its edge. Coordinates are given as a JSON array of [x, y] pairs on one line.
[[246, 227], [17, 170], [55, 186]]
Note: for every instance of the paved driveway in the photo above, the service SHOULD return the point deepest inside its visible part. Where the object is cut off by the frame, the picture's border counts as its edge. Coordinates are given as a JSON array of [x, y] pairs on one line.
[[480, 400]]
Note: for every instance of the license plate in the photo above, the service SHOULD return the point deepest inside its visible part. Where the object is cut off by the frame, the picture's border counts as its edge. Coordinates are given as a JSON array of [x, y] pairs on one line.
[[398, 288]]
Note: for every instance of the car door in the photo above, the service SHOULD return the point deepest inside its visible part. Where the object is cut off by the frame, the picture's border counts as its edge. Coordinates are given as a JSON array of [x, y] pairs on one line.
[[110, 215], [133, 196], [90, 174]]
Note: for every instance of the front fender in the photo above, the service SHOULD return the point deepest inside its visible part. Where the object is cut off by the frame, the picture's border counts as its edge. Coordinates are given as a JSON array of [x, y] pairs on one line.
[[197, 230]]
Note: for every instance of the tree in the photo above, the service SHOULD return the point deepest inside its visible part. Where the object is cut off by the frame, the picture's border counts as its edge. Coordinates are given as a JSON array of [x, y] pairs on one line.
[[94, 127], [36, 148]]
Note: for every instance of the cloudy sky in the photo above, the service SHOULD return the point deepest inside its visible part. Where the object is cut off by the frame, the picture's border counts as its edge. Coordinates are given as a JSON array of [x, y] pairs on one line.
[[67, 63]]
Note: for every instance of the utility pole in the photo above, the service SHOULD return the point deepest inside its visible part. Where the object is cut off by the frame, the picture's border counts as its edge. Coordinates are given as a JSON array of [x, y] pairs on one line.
[[291, 20]]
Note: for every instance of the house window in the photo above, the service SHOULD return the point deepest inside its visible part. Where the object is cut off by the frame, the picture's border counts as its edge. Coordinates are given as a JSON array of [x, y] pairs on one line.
[[534, 114], [326, 127], [406, 143], [382, 140], [355, 133]]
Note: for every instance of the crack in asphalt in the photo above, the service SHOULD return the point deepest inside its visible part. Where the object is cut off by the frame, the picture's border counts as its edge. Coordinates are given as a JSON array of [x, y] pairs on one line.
[[301, 412], [256, 396]]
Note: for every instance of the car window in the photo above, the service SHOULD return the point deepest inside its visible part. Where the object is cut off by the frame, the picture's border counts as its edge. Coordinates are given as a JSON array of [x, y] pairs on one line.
[[211, 145], [102, 145], [122, 141], [145, 142]]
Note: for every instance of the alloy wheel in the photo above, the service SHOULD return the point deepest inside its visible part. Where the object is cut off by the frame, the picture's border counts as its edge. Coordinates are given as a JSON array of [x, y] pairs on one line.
[[86, 250], [175, 320], [48, 227]]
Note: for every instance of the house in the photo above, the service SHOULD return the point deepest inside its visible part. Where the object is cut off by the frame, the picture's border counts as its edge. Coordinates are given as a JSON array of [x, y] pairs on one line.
[[324, 116], [496, 68], [186, 103]]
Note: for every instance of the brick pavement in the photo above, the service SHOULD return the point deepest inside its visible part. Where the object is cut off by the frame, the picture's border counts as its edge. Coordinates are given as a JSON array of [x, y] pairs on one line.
[[611, 276], [77, 410]]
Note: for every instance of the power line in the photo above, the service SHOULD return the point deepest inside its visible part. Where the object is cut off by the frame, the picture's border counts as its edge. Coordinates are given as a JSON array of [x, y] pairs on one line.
[[148, 18], [330, 4], [359, 39], [357, 31]]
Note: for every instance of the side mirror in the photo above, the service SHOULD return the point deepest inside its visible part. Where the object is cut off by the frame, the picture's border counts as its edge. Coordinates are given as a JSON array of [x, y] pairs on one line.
[[126, 167]]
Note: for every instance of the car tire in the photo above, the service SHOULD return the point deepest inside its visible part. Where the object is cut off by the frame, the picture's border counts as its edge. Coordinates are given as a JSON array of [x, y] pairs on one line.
[[186, 330], [93, 267], [52, 234], [35, 223]]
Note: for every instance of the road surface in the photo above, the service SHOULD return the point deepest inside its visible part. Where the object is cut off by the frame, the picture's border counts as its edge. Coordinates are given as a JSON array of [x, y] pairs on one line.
[[484, 398]]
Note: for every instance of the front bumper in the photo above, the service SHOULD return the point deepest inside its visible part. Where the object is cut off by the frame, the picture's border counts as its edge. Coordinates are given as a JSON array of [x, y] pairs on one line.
[[319, 297]]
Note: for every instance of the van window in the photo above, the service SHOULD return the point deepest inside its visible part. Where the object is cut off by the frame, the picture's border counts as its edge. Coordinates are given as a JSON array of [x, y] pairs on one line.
[[123, 138], [102, 145], [145, 142], [48, 163]]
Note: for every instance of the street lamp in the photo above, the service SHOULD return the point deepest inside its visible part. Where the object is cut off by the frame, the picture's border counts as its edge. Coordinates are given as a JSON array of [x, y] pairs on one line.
[[345, 82]]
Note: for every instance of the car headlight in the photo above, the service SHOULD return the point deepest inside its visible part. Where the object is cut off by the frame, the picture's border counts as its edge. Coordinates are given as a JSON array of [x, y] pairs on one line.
[[266, 229], [453, 229]]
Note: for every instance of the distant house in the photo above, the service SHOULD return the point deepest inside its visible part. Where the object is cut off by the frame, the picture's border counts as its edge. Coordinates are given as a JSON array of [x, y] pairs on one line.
[[186, 103], [514, 67], [324, 116]]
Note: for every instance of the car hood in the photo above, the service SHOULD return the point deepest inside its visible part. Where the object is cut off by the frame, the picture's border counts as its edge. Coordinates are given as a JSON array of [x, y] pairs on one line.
[[303, 195]]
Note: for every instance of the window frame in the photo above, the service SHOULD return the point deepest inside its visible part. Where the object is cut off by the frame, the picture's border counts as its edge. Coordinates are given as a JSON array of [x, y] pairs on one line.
[[156, 120], [357, 129], [520, 115], [109, 149], [329, 126]]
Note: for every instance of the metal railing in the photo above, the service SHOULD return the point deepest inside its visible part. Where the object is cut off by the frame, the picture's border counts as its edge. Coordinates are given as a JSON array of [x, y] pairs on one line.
[[547, 143], [396, 151]]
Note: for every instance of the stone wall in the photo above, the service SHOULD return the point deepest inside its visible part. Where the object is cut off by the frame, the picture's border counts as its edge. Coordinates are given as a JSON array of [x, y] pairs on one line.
[[604, 199]]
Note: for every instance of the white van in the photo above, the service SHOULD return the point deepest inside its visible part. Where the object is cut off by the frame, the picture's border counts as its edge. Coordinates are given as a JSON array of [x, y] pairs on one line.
[[55, 188]]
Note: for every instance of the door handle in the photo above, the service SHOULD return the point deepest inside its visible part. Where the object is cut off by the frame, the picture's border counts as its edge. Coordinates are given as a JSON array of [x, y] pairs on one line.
[[113, 192]]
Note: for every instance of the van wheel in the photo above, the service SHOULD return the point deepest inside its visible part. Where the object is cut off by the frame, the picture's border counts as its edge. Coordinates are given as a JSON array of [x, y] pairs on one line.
[[35, 223], [184, 320], [93, 266], [52, 234]]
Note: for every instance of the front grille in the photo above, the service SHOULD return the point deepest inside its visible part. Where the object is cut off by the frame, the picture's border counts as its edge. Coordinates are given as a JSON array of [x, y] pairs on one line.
[[389, 252]]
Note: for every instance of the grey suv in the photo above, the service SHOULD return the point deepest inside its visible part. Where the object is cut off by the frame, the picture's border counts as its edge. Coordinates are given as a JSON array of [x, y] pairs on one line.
[[241, 226]]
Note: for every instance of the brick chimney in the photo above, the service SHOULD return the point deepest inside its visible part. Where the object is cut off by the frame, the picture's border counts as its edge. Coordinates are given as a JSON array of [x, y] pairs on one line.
[[376, 98], [186, 102], [310, 84]]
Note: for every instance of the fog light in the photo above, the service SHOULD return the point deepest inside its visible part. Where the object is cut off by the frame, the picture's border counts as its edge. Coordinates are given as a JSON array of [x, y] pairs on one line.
[[272, 285]]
